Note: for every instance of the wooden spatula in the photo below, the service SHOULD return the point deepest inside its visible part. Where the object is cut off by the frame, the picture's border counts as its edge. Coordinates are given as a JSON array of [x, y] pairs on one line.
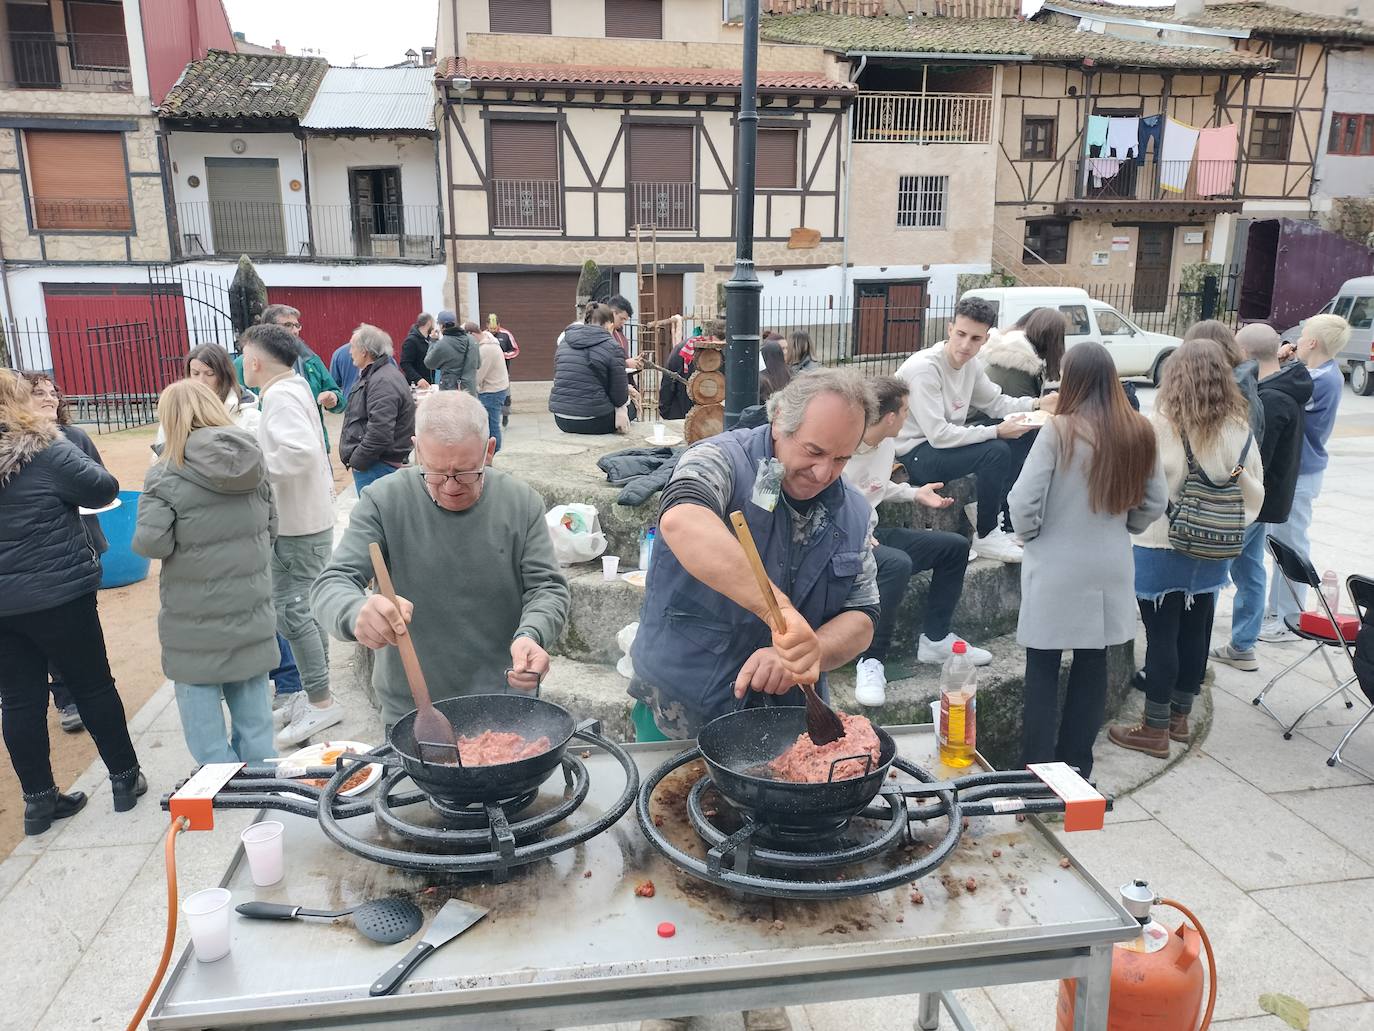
[[823, 725], [434, 737]]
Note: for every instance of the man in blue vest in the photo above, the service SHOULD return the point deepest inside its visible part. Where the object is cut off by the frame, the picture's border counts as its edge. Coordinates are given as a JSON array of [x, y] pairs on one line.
[[704, 639]]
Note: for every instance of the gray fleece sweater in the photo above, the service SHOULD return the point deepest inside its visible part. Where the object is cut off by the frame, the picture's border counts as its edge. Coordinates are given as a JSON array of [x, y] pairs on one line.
[[941, 397], [476, 578]]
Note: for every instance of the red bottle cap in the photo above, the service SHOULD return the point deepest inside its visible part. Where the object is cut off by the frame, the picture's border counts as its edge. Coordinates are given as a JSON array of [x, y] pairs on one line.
[[960, 648], [666, 930]]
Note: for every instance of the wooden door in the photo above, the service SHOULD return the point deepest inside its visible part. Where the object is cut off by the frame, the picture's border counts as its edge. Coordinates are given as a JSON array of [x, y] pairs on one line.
[[536, 307], [375, 195], [1154, 252], [889, 318], [667, 304]]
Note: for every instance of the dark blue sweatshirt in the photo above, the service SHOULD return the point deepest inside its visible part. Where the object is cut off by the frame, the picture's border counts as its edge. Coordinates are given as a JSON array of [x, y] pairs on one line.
[[1327, 382]]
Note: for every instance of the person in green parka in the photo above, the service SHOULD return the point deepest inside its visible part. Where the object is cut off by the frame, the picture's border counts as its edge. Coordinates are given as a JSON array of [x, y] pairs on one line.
[[329, 396]]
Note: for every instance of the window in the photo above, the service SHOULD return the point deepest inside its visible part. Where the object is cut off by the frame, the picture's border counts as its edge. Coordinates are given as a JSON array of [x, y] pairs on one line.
[[96, 28], [1361, 313], [1076, 315], [634, 19], [1287, 55], [660, 183], [1037, 137], [246, 215], [1111, 324], [78, 180], [1270, 135], [776, 168], [1351, 134], [1047, 239], [921, 201], [526, 192], [733, 10], [531, 16]]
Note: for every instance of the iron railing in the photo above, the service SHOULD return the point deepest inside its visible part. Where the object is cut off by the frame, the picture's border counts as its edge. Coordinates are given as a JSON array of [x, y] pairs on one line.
[[377, 231], [81, 214], [73, 61], [1117, 179], [663, 205], [526, 204], [923, 118]]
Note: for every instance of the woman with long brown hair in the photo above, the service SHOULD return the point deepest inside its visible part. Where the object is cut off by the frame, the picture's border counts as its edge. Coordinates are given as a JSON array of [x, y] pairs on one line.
[[1244, 370], [1090, 481], [1198, 408]]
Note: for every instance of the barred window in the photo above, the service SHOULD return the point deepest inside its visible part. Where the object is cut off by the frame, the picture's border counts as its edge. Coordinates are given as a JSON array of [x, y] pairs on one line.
[[921, 201]]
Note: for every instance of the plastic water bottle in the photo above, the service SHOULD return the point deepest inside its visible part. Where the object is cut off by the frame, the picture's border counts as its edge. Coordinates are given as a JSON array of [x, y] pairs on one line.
[[1331, 590], [957, 732], [646, 548]]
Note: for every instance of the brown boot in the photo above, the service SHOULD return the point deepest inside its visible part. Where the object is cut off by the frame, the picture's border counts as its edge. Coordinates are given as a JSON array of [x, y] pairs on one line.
[[1178, 727], [1141, 738]]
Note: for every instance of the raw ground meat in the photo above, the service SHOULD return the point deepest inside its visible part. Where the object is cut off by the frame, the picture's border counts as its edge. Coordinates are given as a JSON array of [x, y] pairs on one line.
[[494, 747], [806, 762]]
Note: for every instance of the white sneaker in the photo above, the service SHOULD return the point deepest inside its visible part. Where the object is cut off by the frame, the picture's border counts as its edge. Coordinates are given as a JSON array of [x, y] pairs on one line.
[[999, 545], [307, 721], [285, 712], [936, 652], [1275, 631], [870, 683]]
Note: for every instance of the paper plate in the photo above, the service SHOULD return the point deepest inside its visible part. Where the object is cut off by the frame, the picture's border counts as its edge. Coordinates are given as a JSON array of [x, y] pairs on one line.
[[313, 755], [1036, 418], [635, 576], [667, 440], [96, 511]]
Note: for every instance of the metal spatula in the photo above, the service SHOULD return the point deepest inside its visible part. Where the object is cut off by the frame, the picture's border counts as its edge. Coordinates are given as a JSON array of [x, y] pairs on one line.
[[387, 921], [452, 920]]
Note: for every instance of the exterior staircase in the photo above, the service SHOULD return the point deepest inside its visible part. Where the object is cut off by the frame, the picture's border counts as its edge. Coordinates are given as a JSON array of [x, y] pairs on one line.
[[1016, 259]]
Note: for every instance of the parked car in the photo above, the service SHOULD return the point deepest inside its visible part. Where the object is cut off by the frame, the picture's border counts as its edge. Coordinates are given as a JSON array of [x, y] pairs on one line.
[[1136, 352], [1354, 303]]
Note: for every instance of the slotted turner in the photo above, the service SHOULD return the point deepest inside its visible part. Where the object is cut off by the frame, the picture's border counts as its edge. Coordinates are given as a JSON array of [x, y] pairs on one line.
[[386, 921]]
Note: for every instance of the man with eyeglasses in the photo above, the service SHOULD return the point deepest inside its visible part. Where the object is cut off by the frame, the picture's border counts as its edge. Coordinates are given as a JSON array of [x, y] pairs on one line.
[[476, 580]]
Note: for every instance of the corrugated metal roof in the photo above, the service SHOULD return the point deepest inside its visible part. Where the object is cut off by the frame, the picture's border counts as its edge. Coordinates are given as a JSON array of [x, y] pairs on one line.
[[376, 99]]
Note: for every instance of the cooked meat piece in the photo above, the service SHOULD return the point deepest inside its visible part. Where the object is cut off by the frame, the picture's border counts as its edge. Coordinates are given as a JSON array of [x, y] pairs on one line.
[[645, 890], [809, 763], [495, 747]]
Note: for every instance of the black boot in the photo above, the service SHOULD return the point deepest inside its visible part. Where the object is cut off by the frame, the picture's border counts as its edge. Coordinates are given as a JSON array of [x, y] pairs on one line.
[[127, 787], [42, 809]]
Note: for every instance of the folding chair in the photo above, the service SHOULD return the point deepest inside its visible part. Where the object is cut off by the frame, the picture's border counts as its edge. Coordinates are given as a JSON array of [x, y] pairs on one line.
[[1296, 569], [1361, 591]]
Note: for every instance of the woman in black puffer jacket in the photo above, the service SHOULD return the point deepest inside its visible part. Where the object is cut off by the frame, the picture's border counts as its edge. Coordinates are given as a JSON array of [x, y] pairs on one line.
[[589, 382], [49, 574]]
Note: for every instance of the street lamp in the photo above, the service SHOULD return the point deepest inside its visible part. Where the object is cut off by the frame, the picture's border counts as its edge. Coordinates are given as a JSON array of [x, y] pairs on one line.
[[742, 292]]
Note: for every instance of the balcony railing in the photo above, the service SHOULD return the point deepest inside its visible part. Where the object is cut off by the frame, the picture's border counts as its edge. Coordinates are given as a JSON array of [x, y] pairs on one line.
[[377, 231], [526, 204], [923, 118], [1114, 179], [81, 214], [664, 205], [72, 61]]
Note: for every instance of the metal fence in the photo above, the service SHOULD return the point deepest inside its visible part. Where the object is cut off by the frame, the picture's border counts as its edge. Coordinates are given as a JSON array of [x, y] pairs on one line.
[[260, 228], [68, 61], [1126, 179]]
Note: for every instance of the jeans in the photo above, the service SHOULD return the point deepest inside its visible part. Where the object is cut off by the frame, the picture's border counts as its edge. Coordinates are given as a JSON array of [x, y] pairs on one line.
[[995, 464], [286, 678], [250, 714], [901, 552], [69, 637], [361, 478], [296, 563], [1177, 634], [493, 401], [1048, 736], [1247, 573], [1294, 534]]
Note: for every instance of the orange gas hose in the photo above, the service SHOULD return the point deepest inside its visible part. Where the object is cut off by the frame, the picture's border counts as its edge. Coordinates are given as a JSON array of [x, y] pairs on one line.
[[179, 824], [1211, 960]]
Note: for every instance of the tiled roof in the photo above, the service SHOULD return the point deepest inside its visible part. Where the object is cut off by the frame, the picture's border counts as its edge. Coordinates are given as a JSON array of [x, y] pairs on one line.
[[504, 72], [373, 99], [1037, 40], [225, 85], [1260, 18]]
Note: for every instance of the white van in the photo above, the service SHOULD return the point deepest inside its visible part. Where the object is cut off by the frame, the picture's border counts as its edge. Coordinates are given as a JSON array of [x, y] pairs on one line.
[[1135, 351], [1355, 304]]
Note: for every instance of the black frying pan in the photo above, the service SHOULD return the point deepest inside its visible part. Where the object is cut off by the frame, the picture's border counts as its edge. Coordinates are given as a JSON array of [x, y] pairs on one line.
[[738, 746]]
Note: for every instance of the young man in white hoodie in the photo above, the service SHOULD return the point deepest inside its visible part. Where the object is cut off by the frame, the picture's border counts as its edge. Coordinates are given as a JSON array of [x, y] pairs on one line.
[[900, 552], [936, 444], [292, 442]]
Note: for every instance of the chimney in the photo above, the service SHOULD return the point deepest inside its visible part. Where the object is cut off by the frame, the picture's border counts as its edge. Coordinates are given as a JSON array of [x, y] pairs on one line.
[[277, 47], [1185, 10], [427, 57]]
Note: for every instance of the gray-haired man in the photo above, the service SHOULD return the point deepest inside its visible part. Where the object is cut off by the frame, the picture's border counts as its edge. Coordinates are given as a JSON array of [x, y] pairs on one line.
[[380, 421], [471, 559]]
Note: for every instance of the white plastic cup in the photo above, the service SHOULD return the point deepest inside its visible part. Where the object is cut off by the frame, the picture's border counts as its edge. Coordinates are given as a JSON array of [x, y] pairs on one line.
[[610, 566], [935, 714], [659, 433], [207, 918], [262, 843]]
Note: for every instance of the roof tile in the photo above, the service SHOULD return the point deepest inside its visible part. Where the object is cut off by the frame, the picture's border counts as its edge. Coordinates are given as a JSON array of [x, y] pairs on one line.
[[1260, 18], [225, 85], [504, 72]]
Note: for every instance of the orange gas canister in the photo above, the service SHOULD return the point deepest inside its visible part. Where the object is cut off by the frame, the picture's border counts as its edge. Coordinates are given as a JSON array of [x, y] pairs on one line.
[[1157, 978]]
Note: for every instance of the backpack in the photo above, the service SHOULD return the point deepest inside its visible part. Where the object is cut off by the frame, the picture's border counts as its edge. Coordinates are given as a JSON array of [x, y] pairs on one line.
[[1208, 519]]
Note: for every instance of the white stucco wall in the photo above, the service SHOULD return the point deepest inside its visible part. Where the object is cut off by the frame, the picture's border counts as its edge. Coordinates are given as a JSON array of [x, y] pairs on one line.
[[1349, 90], [332, 157]]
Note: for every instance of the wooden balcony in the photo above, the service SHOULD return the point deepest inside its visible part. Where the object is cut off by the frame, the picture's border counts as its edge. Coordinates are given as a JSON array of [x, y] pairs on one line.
[[923, 118]]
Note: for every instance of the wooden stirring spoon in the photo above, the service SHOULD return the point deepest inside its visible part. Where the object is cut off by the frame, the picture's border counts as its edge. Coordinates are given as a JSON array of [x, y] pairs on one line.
[[434, 737], [823, 724]]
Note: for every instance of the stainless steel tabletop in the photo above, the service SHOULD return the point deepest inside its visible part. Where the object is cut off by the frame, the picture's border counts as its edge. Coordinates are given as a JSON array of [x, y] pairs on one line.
[[567, 941]]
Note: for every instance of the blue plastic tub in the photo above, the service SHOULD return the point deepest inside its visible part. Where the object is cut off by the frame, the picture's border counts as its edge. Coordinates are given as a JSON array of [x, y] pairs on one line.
[[120, 565]]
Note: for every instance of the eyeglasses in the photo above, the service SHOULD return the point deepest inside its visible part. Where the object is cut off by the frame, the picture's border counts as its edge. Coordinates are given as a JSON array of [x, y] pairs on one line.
[[463, 479], [290, 325]]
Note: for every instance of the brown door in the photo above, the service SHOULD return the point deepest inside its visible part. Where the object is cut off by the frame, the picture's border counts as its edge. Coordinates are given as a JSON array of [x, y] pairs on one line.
[[889, 317], [1154, 250], [536, 307], [667, 304]]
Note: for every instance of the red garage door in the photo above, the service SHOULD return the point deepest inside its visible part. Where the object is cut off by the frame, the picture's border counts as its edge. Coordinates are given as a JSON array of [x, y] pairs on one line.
[[121, 339], [536, 307], [330, 314]]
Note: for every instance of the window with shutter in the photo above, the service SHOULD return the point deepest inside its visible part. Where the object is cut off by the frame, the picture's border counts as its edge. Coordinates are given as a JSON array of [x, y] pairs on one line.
[[661, 183], [776, 167], [634, 19], [531, 16], [78, 180], [525, 188]]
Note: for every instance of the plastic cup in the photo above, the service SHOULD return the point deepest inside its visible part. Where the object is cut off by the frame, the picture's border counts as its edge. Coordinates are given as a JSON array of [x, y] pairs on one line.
[[610, 566], [659, 433], [262, 843], [207, 918], [935, 713]]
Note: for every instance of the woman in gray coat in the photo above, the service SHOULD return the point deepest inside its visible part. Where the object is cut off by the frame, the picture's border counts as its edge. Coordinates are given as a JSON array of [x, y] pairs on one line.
[[1091, 480], [207, 513]]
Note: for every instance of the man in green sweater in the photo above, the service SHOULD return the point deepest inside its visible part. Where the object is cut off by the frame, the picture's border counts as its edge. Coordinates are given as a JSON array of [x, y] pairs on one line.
[[470, 556]]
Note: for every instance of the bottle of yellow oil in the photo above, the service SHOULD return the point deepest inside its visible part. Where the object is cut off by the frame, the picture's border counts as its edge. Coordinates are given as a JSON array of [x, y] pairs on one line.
[[957, 731]]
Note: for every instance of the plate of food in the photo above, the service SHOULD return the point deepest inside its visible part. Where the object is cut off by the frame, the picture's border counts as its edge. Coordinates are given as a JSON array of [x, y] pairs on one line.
[[635, 576], [1036, 418], [324, 753]]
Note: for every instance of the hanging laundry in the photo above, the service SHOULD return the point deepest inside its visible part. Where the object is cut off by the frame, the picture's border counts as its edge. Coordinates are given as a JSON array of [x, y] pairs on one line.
[[1103, 169], [1176, 156], [1096, 135], [1216, 160], [1151, 128], [1123, 136]]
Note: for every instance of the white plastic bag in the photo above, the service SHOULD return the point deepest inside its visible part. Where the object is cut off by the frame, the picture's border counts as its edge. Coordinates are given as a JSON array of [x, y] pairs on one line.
[[576, 533], [624, 640]]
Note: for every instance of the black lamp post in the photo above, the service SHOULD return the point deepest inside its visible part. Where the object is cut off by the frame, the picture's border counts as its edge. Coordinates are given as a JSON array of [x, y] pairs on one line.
[[743, 291]]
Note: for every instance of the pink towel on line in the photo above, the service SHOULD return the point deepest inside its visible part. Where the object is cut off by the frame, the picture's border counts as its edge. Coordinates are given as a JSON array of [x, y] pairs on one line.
[[1216, 160]]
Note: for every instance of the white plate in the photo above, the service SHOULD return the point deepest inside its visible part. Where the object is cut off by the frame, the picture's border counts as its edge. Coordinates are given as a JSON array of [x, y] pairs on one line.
[[1036, 418], [96, 511], [667, 440], [313, 755], [634, 576]]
